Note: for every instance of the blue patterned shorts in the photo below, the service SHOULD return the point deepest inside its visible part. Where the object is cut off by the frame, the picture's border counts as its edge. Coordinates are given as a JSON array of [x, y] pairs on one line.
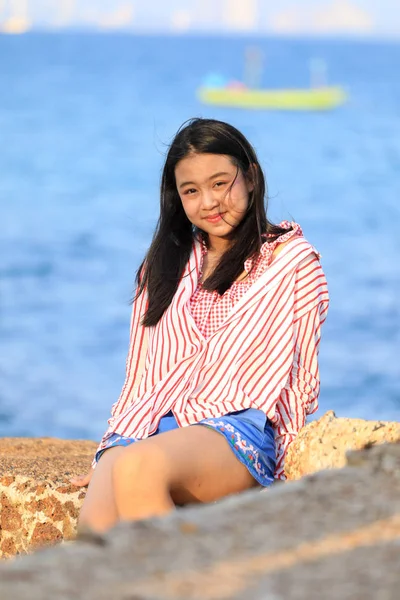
[[248, 432]]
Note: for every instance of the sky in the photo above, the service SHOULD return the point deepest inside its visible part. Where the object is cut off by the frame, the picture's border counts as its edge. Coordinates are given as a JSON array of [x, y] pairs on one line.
[[371, 18]]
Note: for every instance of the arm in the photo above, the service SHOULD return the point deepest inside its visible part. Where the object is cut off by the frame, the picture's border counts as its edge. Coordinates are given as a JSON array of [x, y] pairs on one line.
[[134, 369], [136, 357], [134, 364], [299, 397]]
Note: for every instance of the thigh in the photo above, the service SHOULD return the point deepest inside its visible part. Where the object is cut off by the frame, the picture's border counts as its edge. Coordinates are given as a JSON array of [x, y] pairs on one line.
[[197, 464]]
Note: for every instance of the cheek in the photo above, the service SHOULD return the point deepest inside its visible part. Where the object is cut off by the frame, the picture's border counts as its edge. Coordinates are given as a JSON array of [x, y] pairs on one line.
[[240, 195], [189, 208]]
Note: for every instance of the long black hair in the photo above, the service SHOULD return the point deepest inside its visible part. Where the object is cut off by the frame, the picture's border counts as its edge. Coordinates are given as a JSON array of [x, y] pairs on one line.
[[173, 239]]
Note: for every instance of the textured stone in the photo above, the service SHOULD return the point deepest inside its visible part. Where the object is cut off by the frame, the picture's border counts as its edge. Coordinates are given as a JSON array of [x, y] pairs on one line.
[[38, 505], [43, 534], [45, 459], [10, 517], [323, 444], [8, 547], [334, 534]]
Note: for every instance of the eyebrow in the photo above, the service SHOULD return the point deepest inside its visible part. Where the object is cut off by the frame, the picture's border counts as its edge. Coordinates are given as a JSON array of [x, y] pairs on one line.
[[220, 174]]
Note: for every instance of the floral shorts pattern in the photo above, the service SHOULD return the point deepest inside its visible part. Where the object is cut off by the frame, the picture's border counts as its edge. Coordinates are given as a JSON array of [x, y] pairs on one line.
[[249, 433]]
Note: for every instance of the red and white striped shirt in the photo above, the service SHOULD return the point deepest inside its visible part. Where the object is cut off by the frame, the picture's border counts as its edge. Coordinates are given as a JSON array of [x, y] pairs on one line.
[[262, 354], [210, 309]]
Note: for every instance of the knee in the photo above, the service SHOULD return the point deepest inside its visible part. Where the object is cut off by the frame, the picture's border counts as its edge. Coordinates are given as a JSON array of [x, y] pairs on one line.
[[138, 467]]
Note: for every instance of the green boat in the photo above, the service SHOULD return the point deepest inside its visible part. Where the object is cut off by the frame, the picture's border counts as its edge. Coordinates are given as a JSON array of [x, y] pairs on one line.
[[320, 98]]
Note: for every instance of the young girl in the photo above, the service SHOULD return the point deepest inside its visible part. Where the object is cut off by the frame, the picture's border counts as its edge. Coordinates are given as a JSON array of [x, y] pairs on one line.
[[222, 365]]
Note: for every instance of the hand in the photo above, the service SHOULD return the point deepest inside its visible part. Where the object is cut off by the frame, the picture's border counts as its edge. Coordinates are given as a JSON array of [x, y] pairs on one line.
[[82, 480]]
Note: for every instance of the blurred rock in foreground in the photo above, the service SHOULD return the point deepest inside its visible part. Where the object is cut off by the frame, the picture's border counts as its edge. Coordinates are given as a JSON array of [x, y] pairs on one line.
[[39, 506], [331, 535]]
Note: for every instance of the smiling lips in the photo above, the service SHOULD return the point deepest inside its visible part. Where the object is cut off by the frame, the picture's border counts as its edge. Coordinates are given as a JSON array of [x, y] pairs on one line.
[[214, 218]]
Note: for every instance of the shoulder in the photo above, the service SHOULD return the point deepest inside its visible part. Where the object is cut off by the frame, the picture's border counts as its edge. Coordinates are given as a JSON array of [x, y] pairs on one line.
[[310, 286], [291, 231], [278, 248], [303, 262]]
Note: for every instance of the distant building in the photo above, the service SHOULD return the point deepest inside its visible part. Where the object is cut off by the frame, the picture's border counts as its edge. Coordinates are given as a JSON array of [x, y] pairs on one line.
[[120, 18], [65, 12], [334, 17], [241, 15], [181, 21], [16, 19], [208, 14]]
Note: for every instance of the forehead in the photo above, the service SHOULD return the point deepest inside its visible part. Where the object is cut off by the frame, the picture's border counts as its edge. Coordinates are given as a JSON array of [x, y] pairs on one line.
[[196, 167]]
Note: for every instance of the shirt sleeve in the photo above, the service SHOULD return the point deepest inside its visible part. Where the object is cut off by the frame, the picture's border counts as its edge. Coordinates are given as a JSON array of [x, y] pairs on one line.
[[299, 396], [135, 363]]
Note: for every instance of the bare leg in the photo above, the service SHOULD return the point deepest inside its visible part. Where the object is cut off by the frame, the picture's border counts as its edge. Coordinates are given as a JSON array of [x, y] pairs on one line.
[[99, 511], [190, 464]]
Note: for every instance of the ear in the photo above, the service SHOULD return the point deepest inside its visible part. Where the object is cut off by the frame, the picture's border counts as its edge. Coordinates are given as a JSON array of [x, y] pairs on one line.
[[251, 177]]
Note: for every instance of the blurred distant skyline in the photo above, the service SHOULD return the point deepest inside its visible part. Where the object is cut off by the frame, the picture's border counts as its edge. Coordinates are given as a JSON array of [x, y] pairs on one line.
[[361, 18]]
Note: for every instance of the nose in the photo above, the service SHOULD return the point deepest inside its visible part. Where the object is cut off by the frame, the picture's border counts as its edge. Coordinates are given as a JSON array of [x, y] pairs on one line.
[[209, 200]]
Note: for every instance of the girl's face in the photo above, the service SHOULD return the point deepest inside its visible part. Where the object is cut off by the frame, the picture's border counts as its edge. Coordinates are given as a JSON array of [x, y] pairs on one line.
[[214, 193]]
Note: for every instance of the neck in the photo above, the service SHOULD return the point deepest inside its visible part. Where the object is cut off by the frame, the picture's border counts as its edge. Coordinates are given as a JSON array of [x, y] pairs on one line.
[[218, 245]]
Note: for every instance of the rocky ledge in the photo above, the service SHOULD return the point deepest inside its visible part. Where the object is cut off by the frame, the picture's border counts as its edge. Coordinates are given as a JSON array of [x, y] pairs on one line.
[[334, 534], [39, 506]]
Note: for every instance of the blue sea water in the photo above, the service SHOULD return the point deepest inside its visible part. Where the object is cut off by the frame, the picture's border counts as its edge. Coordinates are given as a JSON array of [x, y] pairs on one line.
[[84, 125]]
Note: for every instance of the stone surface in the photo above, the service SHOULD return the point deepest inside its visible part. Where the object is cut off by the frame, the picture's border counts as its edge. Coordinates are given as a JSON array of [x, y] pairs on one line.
[[45, 458], [334, 534], [323, 444], [38, 505]]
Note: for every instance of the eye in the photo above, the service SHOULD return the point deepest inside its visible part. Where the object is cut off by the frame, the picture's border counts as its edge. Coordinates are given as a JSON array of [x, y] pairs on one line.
[[189, 192], [219, 183]]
